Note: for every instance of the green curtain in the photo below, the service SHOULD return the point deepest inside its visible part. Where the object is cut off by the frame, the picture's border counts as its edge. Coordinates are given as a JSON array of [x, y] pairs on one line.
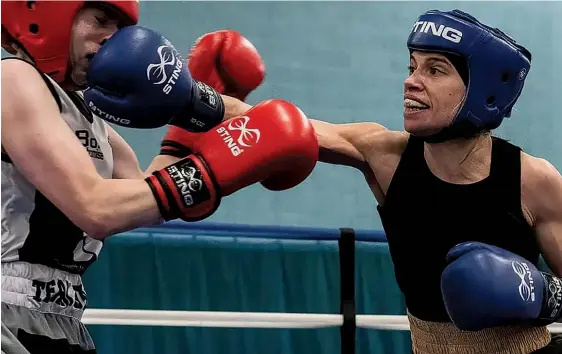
[[176, 270]]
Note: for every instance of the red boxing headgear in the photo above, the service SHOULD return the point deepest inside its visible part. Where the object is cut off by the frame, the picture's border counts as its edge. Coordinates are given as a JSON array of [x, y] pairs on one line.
[[43, 28]]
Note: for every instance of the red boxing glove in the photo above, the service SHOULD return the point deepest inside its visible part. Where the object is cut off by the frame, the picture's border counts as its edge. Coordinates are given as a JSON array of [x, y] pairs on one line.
[[178, 142], [228, 62], [272, 141]]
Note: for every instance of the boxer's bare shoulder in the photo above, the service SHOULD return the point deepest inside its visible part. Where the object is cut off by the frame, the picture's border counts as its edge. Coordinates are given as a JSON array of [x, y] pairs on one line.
[[541, 183], [28, 100], [541, 197], [23, 80], [383, 152]]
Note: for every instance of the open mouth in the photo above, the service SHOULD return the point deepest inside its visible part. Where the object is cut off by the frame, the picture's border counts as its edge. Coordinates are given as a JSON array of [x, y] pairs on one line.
[[411, 105]]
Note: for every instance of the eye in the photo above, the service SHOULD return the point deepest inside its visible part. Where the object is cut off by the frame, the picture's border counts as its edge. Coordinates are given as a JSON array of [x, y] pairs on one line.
[[411, 69], [102, 20], [435, 70]]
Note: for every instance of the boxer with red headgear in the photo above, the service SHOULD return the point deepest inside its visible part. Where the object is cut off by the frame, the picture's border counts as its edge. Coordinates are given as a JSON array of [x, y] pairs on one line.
[[44, 124], [69, 180]]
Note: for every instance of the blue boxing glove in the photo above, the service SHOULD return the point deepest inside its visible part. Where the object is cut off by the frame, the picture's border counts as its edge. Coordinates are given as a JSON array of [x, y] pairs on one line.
[[138, 79], [486, 286]]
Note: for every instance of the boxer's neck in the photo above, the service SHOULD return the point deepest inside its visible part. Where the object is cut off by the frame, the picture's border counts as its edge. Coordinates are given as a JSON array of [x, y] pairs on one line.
[[460, 161]]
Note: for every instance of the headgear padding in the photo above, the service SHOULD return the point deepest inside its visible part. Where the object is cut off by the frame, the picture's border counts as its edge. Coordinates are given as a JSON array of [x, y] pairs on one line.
[[497, 67], [44, 28]]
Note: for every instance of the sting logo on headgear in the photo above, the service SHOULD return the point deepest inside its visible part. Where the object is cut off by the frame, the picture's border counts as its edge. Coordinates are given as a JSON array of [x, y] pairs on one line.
[[156, 72], [448, 33]]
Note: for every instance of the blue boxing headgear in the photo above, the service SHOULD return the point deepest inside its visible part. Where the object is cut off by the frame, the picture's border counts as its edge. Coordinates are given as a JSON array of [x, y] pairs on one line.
[[497, 68]]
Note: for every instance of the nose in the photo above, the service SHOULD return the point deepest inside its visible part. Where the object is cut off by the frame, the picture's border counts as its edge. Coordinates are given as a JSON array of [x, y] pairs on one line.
[[108, 33], [413, 83]]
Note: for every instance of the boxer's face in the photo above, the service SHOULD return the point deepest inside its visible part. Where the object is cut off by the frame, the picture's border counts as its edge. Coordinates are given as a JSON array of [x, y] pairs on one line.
[[433, 93], [92, 27]]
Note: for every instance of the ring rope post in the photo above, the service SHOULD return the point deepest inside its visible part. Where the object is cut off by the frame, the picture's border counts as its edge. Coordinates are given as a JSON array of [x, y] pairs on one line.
[[348, 329]]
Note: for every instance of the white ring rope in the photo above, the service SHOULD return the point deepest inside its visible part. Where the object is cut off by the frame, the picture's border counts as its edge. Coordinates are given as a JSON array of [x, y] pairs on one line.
[[244, 319]]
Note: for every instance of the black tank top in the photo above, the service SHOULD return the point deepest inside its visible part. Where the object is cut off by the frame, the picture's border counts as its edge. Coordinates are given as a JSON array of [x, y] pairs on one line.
[[424, 217]]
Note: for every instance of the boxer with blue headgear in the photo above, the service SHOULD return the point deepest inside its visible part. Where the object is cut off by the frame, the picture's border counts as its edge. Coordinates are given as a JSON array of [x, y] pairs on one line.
[[492, 65], [466, 214]]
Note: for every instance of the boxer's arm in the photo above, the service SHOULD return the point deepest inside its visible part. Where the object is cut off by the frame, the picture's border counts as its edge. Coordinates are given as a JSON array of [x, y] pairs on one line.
[[349, 144], [233, 107], [48, 154], [125, 162], [159, 162], [544, 185], [340, 144]]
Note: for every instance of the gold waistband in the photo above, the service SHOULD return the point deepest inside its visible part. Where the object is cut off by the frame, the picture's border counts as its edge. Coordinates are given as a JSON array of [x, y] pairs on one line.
[[445, 338]]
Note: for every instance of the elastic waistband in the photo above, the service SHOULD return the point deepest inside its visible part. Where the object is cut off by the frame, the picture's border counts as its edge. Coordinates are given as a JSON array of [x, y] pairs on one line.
[[443, 338], [44, 289]]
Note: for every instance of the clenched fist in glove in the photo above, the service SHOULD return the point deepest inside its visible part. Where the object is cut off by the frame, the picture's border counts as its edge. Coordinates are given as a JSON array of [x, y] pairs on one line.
[[138, 79], [228, 62], [486, 286], [269, 142]]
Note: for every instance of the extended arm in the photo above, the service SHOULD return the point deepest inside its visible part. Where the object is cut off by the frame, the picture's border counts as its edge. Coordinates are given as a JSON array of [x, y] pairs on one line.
[[346, 144]]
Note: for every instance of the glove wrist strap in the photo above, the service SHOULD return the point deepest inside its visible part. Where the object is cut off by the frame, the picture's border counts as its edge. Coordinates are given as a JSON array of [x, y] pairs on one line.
[[163, 196], [551, 310], [175, 149], [183, 188], [204, 111]]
